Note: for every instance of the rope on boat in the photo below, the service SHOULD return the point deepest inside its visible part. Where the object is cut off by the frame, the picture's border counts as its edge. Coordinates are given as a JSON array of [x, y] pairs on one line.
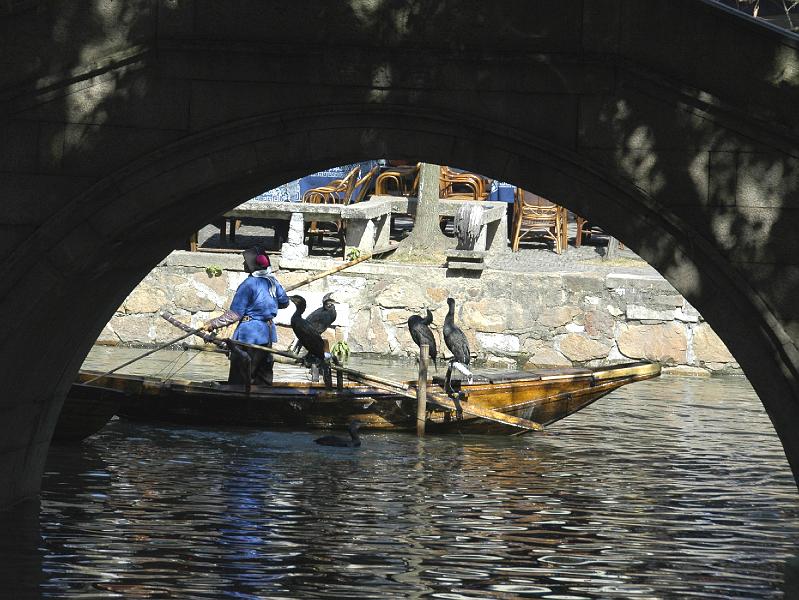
[[174, 363]]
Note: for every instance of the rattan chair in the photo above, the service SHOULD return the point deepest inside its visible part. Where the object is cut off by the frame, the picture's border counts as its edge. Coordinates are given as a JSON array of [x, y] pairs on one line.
[[398, 181], [462, 185], [362, 186], [337, 191], [355, 192], [537, 216]]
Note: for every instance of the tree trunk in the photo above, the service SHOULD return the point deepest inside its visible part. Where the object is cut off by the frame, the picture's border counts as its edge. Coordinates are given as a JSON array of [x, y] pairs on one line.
[[425, 243], [612, 249]]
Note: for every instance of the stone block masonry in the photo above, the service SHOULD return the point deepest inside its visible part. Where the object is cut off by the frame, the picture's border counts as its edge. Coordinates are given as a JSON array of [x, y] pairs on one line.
[[511, 318]]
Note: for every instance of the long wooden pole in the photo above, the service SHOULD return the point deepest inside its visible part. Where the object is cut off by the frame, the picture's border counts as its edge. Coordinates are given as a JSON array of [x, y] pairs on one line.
[[341, 267], [421, 390], [153, 351]]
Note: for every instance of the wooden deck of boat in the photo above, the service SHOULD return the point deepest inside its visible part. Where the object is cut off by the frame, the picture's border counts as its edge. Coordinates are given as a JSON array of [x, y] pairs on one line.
[[501, 402]]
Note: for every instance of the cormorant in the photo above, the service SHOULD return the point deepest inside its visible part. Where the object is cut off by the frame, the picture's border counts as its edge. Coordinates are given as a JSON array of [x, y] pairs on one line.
[[455, 340], [310, 339], [421, 333], [334, 440], [321, 318], [306, 334]]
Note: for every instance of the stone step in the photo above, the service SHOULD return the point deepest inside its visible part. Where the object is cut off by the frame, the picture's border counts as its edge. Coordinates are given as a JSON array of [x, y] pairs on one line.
[[465, 266]]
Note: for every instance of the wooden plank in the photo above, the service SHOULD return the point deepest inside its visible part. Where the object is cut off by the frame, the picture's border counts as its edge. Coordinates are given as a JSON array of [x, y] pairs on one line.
[[484, 413], [421, 390]]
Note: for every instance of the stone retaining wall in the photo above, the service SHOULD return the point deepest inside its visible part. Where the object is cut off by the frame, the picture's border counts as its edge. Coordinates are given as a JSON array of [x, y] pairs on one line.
[[515, 319]]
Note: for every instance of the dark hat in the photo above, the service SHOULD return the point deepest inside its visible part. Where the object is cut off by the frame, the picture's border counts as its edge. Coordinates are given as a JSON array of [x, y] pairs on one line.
[[256, 259]]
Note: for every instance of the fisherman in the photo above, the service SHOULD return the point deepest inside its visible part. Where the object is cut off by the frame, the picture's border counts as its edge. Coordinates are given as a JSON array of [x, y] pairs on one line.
[[254, 307]]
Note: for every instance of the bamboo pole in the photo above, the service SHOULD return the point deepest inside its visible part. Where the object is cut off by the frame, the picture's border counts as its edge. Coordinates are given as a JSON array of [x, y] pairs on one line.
[[148, 353], [421, 390], [341, 267]]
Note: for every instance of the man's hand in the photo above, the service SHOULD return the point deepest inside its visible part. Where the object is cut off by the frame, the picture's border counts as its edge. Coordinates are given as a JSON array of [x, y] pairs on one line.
[[207, 327]]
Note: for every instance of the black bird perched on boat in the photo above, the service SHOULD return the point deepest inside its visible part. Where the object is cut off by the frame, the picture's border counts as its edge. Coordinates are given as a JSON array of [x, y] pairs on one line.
[[310, 339], [306, 334], [421, 333], [321, 318], [455, 340], [334, 440]]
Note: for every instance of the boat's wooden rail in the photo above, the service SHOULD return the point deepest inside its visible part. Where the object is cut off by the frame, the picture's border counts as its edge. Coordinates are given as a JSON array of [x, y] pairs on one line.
[[445, 402], [642, 370]]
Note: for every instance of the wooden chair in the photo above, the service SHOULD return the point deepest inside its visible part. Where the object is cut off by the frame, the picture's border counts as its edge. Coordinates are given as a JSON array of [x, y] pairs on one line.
[[337, 191], [400, 180], [534, 215], [585, 230], [362, 186], [356, 192], [457, 185]]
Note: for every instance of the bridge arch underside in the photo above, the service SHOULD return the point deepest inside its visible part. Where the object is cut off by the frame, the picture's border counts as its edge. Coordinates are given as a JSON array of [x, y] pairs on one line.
[[71, 274]]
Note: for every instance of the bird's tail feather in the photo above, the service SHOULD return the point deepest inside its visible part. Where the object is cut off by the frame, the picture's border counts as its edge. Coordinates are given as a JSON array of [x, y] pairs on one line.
[[463, 369]]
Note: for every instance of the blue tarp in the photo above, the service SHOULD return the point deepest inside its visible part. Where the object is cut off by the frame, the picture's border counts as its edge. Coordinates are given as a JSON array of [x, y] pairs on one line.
[[501, 191]]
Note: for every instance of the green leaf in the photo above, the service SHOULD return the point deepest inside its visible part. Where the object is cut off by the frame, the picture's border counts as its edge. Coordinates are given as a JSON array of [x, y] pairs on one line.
[[341, 351]]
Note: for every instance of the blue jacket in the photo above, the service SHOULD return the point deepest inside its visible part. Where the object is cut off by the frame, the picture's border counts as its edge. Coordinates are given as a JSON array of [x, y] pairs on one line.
[[254, 299]]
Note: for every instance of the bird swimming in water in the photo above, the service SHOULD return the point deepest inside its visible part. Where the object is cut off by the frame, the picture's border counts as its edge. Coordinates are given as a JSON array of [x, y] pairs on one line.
[[421, 333], [334, 440], [456, 341], [321, 318]]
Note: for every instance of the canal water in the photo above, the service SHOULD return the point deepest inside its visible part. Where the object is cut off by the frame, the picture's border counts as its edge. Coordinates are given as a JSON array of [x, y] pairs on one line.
[[670, 488]]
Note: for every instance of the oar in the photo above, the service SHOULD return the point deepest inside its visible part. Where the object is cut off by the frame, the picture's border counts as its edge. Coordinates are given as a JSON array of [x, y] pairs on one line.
[[290, 288]]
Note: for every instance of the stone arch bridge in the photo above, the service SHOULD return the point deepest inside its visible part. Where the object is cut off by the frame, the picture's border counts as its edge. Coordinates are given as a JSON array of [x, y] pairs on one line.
[[124, 126]]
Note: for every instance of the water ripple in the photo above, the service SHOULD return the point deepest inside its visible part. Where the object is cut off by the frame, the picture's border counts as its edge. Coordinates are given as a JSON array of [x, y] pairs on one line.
[[666, 489]]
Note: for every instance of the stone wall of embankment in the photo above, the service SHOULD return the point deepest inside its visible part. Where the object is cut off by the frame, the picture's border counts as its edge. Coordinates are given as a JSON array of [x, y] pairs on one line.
[[511, 318]]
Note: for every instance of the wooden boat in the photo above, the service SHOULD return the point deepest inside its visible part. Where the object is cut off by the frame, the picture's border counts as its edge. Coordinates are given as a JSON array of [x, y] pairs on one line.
[[497, 403], [86, 410]]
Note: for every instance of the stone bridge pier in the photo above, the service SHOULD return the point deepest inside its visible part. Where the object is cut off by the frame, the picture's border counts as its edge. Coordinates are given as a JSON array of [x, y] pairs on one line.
[[126, 125]]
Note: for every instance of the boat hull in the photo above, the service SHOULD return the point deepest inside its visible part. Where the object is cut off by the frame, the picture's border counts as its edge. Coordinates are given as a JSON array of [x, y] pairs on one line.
[[86, 410], [543, 396]]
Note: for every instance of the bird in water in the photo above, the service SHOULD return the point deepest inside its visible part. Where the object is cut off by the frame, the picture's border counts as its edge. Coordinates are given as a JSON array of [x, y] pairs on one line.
[[419, 328], [456, 341], [341, 442], [321, 318]]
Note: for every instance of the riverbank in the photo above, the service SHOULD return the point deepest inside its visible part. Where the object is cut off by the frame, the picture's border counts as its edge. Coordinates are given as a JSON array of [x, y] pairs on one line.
[[525, 310]]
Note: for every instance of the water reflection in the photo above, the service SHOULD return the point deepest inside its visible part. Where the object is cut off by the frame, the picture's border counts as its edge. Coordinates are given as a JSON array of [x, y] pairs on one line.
[[21, 568], [664, 489]]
